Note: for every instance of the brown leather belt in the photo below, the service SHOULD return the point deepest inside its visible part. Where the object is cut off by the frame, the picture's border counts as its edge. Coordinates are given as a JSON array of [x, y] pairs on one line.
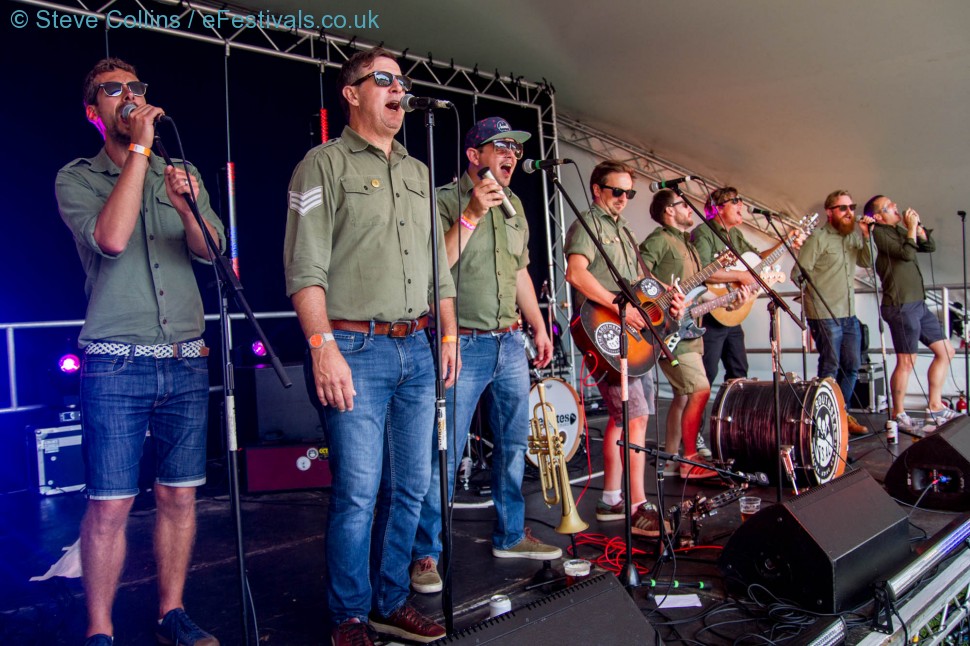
[[468, 330], [394, 329]]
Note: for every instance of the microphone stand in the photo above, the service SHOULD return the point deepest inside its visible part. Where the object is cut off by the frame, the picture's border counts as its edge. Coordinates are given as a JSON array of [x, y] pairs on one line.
[[775, 302], [880, 295], [227, 282], [629, 576], [966, 303]]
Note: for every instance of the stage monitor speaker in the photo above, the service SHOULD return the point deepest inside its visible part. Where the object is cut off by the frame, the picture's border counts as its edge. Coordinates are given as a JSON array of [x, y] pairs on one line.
[[595, 611], [267, 412], [823, 549], [936, 468], [287, 467]]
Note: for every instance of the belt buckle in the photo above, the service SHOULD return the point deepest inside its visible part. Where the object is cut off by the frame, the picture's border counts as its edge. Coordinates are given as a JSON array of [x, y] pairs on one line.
[[399, 329]]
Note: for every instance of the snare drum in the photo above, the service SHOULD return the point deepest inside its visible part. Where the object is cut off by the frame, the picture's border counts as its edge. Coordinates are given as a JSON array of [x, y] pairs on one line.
[[570, 417], [813, 421]]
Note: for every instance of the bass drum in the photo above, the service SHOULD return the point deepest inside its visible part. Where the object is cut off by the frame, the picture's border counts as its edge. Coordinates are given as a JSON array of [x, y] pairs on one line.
[[813, 422], [570, 417]]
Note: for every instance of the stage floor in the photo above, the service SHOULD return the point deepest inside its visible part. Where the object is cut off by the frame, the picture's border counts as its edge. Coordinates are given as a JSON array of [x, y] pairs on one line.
[[284, 540]]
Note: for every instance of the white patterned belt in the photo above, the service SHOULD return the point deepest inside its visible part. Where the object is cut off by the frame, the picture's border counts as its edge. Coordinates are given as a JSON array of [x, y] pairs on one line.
[[187, 349]]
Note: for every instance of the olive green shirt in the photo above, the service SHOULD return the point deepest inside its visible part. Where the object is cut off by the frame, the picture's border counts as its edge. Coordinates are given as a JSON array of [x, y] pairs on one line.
[[831, 258], [902, 280], [496, 250], [614, 236], [359, 226], [147, 294], [667, 252], [709, 245]]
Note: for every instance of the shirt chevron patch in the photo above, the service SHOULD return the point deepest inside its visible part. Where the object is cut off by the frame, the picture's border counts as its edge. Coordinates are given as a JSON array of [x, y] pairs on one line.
[[306, 201]]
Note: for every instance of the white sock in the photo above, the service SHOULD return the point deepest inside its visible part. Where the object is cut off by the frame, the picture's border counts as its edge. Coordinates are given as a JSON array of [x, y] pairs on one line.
[[612, 497]]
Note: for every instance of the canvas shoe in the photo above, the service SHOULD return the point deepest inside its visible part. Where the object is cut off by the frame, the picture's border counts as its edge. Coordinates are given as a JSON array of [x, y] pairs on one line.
[[424, 576], [605, 513], [177, 629], [529, 547], [702, 447]]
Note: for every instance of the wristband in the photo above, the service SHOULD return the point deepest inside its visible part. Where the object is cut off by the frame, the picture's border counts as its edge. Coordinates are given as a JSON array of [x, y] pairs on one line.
[[316, 341], [451, 338], [141, 150], [468, 224]]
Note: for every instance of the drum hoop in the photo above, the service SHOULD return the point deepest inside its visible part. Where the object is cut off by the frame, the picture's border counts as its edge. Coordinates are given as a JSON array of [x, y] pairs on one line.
[[568, 451]]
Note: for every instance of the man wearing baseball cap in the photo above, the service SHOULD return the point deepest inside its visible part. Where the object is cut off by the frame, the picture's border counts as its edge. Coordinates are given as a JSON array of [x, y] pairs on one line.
[[487, 246]]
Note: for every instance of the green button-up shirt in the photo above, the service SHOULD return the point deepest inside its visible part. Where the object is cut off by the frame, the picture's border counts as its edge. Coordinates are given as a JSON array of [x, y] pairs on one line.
[[496, 250], [359, 226], [668, 252], [830, 259], [709, 245], [902, 280], [613, 234], [147, 294]]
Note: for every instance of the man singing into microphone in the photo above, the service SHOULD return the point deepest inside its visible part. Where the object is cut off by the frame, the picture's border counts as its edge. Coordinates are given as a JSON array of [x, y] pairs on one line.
[[136, 237], [489, 254], [898, 239]]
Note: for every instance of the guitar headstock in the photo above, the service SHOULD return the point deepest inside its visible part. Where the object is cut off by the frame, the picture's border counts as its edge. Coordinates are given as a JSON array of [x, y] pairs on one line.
[[808, 223], [725, 258]]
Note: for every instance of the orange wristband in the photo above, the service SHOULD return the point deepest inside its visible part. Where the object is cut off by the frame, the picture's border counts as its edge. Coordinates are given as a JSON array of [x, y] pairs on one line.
[[141, 150]]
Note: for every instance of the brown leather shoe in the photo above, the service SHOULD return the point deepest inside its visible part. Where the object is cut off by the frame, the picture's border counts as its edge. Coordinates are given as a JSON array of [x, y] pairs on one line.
[[408, 623], [353, 633], [855, 428]]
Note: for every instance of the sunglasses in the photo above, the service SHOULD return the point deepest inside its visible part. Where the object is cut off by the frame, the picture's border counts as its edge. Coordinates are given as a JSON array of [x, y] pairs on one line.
[[844, 207], [677, 203], [113, 88], [732, 200], [385, 79], [512, 146], [617, 192]]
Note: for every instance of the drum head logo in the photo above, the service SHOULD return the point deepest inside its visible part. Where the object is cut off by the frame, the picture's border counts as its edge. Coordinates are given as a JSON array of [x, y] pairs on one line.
[[827, 437], [607, 338]]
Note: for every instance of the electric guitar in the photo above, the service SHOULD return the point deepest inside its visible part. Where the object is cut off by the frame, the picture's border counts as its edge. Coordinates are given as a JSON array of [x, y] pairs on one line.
[[687, 329], [759, 263], [596, 329]]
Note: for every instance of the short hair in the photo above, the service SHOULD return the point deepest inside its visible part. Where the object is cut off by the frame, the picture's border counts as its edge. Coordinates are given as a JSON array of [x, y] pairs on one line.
[[104, 65], [604, 168], [350, 71], [715, 198], [870, 208], [661, 200], [834, 196]]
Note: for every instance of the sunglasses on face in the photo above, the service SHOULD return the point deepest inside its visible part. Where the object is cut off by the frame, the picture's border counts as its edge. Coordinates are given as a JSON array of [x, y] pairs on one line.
[[385, 79], [617, 192], [844, 207], [113, 88], [512, 146], [732, 200], [677, 203]]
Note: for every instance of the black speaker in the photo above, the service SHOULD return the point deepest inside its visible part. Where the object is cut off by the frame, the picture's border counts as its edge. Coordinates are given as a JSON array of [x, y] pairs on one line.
[[823, 549], [937, 466], [267, 412], [596, 611]]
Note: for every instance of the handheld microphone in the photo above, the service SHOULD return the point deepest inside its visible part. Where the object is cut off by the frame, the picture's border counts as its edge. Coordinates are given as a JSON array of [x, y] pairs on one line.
[[669, 183], [130, 107], [507, 207], [532, 165], [410, 103]]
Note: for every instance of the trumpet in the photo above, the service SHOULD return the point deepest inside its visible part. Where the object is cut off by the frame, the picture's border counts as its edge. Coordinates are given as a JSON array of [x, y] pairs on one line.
[[545, 443]]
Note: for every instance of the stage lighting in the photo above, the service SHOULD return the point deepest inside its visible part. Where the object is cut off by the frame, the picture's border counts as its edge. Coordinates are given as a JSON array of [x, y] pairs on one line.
[[258, 348], [69, 364]]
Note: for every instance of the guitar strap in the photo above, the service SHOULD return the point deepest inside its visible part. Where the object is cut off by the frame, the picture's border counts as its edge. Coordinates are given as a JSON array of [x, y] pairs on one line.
[[636, 251]]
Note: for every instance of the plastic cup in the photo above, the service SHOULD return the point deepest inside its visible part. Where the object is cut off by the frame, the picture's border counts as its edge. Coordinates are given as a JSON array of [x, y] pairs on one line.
[[576, 570], [749, 507]]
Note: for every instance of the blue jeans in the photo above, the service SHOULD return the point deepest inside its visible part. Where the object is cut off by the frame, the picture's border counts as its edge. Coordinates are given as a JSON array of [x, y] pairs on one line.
[[121, 398], [495, 369], [839, 344], [379, 457]]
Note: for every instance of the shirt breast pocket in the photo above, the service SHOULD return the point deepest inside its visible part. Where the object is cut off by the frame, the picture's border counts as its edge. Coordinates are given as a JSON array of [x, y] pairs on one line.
[[364, 200], [515, 236], [417, 195]]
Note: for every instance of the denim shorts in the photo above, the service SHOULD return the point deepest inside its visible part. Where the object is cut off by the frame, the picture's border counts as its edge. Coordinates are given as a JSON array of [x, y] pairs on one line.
[[910, 324], [122, 397]]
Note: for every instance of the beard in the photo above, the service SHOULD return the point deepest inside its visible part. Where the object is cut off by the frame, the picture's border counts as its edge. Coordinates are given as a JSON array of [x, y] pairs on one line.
[[844, 227]]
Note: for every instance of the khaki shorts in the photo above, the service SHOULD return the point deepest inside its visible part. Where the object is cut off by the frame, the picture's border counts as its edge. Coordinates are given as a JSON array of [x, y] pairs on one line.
[[641, 397], [688, 376]]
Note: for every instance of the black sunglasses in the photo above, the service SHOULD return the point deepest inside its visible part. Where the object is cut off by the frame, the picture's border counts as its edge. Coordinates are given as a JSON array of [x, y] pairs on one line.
[[113, 88], [385, 79], [617, 192], [732, 200], [844, 207]]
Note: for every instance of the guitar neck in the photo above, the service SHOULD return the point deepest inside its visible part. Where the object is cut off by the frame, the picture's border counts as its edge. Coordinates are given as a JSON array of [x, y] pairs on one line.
[[701, 277], [700, 310], [775, 253]]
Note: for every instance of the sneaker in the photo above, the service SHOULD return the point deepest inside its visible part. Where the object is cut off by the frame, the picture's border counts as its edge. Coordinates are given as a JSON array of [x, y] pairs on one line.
[[606, 513], [99, 640], [176, 629], [855, 428], [646, 521], [529, 547], [424, 576], [941, 416], [671, 469], [353, 633], [702, 447], [690, 472], [408, 623], [905, 423]]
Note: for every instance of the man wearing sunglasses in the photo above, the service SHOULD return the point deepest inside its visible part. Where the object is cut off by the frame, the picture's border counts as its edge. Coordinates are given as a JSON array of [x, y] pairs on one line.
[[611, 184], [830, 256], [137, 238], [489, 255], [898, 238], [358, 259]]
